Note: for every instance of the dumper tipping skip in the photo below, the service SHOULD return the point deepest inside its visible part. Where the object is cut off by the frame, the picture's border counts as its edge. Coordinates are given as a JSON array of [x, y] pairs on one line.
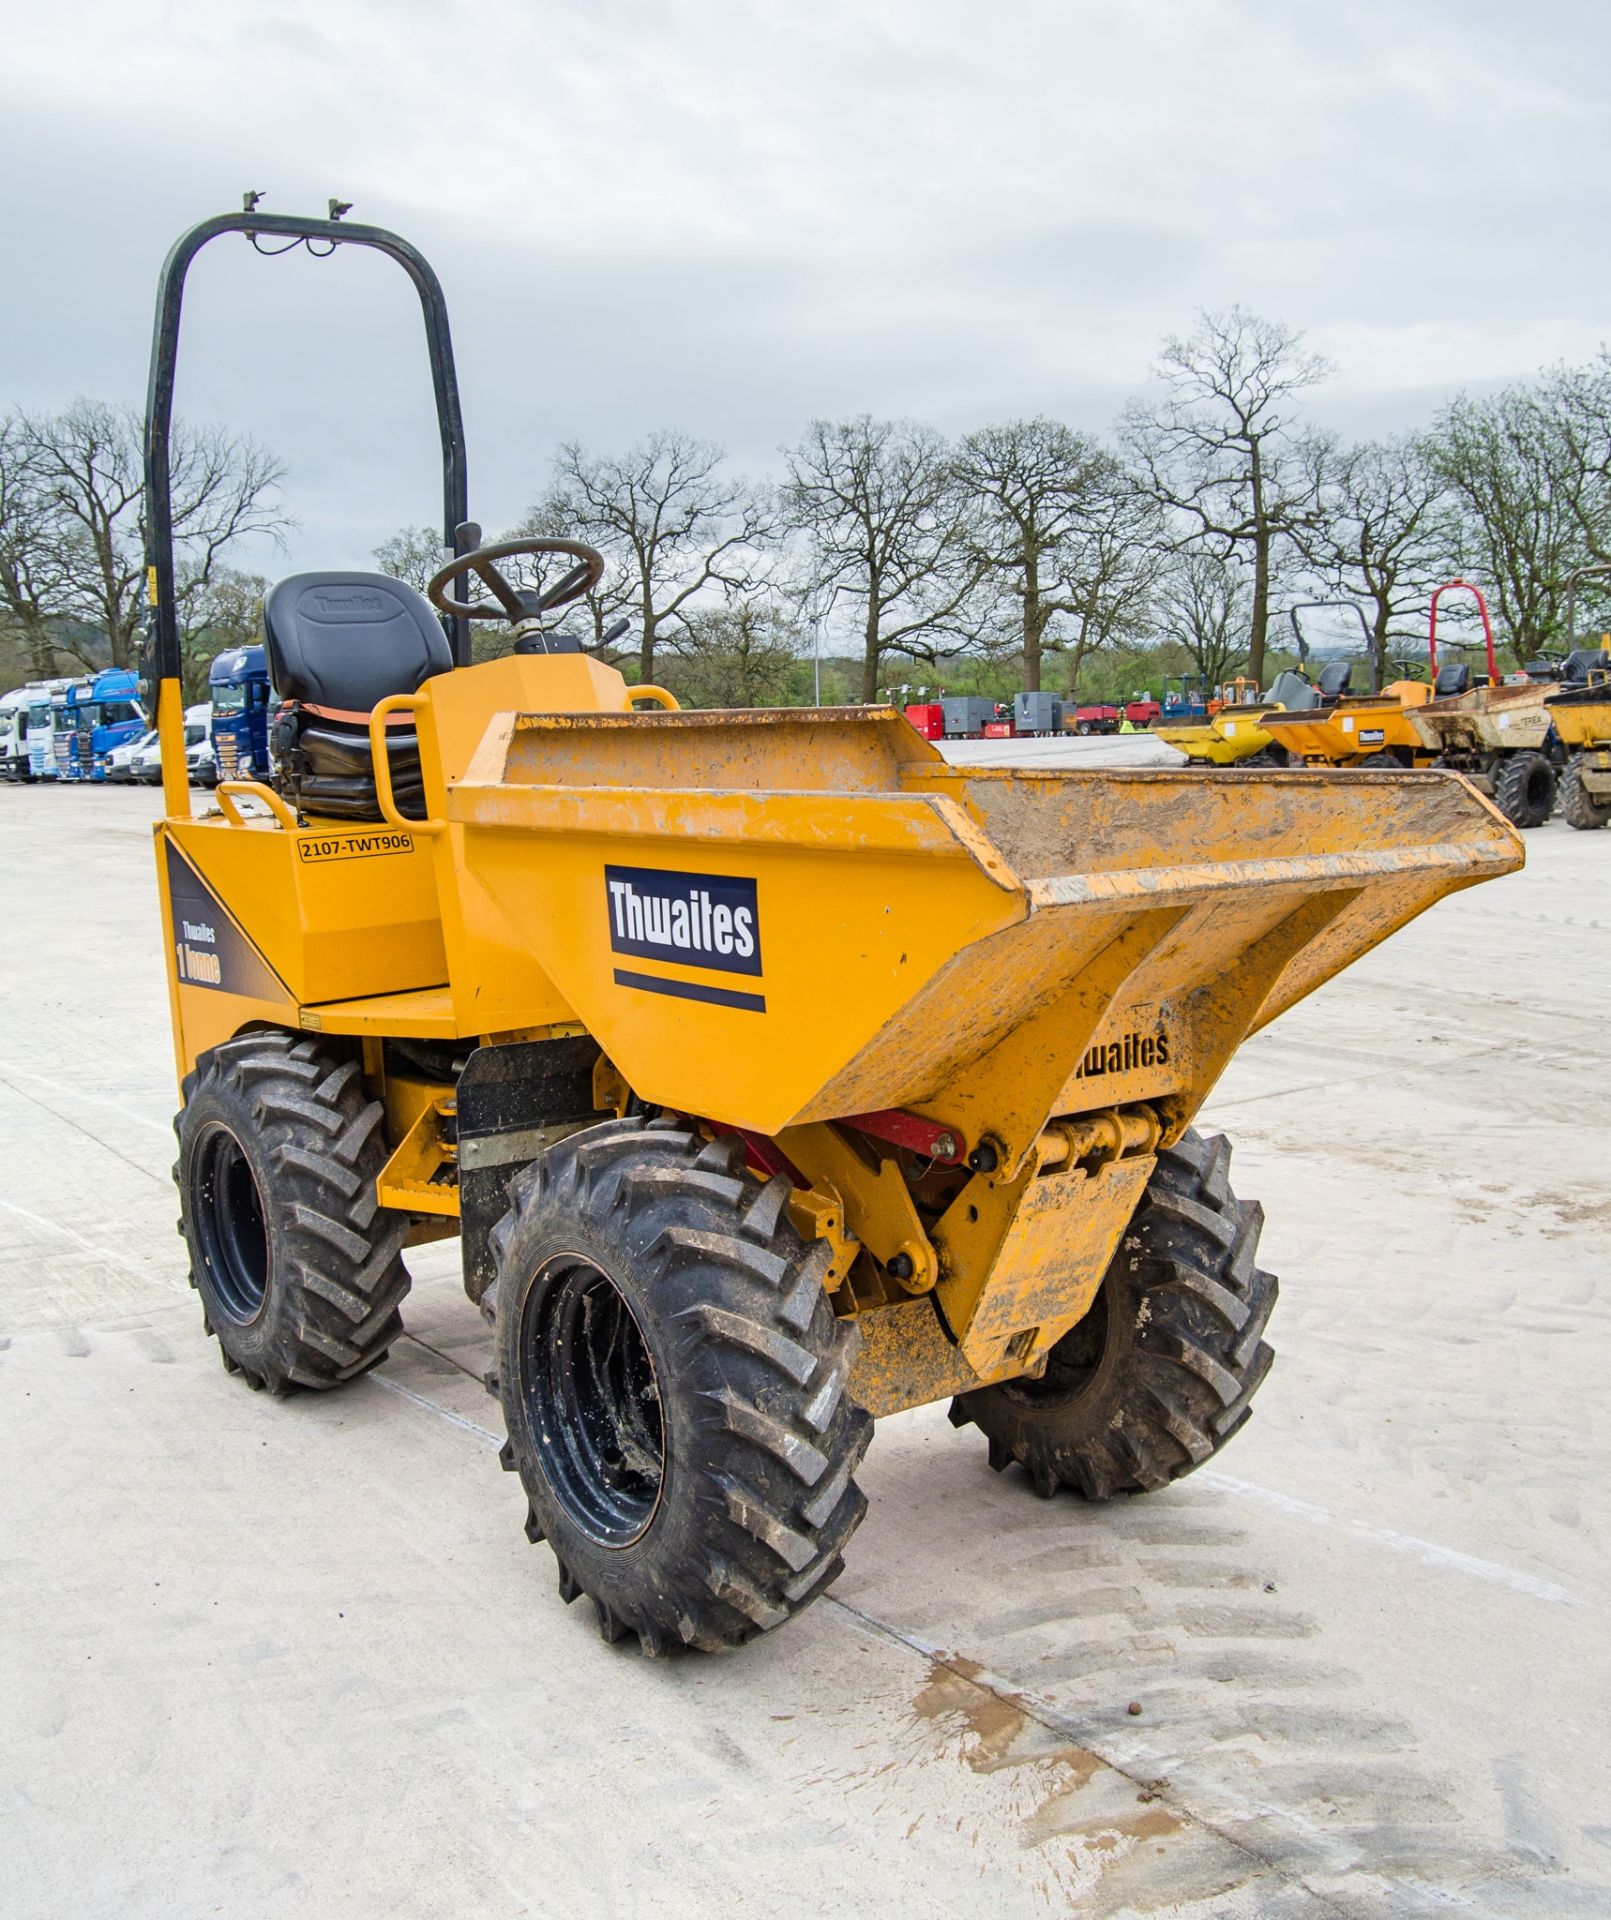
[[774, 1073]]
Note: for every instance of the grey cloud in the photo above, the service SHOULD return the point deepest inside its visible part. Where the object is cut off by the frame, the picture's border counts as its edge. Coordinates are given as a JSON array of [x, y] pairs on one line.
[[732, 219]]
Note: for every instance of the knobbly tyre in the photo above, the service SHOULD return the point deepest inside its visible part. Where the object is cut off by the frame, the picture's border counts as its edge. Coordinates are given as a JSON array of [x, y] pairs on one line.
[[775, 1074]]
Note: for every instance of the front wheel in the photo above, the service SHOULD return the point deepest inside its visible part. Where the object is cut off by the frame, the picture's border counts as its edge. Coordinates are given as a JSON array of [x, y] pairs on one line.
[[675, 1386], [1162, 1371], [1579, 807], [1524, 788]]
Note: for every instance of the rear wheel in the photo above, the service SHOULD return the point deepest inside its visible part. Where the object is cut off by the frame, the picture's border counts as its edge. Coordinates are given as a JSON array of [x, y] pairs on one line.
[[299, 1269], [675, 1386], [1579, 807], [1383, 759], [1524, 789], [1163, 1369]]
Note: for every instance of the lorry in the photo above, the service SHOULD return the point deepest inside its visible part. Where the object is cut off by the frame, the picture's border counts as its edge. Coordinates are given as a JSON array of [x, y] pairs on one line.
[[14, 709], [238, 686], [46, 725], [110, 717]]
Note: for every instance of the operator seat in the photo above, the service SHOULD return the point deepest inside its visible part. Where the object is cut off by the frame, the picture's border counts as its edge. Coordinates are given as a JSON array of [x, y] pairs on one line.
[[1580, 663], [1335, 679], [1452, 679], [1292, 691], [337, 644]]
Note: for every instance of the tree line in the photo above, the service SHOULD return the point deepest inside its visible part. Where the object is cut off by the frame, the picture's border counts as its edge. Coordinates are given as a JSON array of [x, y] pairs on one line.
[[1028, 548], [1215, 505], [72, 535]]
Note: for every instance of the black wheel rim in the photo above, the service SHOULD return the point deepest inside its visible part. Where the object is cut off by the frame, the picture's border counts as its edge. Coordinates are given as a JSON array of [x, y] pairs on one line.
[[1072, 1366], [226, 1212], [591, 1401]]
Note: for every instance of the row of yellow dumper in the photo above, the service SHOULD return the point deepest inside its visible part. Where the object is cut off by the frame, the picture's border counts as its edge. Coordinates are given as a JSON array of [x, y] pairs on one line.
[[1540, 739]]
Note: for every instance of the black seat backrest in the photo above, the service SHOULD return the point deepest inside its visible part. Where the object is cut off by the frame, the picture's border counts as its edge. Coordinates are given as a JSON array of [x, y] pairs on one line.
[[346, 640], [1579, 663], [1334, 679], [1454, 678]]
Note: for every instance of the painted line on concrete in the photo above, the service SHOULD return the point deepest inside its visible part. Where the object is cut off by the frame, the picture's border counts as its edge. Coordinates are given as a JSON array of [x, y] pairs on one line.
[[1447, 1559], [1428, 1552], [59, 1086], [89, 1246], [431, 1406], [974, 1672]]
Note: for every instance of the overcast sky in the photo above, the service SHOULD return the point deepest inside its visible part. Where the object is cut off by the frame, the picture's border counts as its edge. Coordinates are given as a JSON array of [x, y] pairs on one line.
[[729, 217]]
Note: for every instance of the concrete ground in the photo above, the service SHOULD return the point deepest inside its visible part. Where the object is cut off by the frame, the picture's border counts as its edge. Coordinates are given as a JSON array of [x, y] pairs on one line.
[[297, 1659]]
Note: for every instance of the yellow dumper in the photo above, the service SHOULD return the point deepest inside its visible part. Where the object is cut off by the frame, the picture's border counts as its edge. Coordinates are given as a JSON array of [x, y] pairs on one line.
[[1496, 735], [1356, 730], [1582, 720], [1234, 734], [774, 1073]]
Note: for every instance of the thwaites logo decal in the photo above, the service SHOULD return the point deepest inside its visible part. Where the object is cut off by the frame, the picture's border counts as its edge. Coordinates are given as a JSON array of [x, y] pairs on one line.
[[706, 920], [1124, 1055], [1372, 736], [209, 948], [311, 849]]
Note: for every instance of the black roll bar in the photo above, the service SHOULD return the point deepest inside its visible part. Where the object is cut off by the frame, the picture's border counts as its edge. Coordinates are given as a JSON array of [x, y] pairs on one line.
[[1583, 573], [1312, 606], [318, 236]]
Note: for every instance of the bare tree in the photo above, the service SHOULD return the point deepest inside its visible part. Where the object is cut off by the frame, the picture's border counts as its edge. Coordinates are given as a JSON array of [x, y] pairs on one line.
[[1522, 495], [412, 554], [1113, 568], [884, 519], [1220, 452], [683, 534], [88, 468], [1062, 532], [224, 611], [31, 582], [1202, 606], [1388, 535], [735, 656], [1577, 404]]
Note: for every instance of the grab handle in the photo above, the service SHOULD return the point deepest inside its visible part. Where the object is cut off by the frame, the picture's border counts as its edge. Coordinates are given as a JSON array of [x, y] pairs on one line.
[[393, 703], [657, 694], [252, 790]]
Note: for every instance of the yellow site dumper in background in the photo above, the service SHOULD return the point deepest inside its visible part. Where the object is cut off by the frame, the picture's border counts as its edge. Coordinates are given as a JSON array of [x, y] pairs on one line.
[[1357, 730], [1582, 721], [1234, 734], [774, 1073]]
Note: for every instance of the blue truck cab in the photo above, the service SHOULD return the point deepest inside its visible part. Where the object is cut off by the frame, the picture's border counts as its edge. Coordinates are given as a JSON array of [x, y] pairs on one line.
[[238, 685], [109, 716], [1185, 698]]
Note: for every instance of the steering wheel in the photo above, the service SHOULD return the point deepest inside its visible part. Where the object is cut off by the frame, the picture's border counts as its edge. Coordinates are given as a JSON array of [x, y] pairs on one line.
[[509, 603]]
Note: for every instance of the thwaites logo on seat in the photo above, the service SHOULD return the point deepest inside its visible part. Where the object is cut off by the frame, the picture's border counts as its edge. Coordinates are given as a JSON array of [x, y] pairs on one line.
[[1124, 1055], [706, 920], [350, 604]]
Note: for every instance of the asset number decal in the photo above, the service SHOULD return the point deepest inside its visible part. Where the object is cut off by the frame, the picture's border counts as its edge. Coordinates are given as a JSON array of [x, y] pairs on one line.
[[352, 846]]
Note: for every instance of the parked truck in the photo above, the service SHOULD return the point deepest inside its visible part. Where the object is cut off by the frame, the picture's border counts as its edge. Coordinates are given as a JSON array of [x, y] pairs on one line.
[[109, 718], [46, 725], [14, 729], [238, 683]]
